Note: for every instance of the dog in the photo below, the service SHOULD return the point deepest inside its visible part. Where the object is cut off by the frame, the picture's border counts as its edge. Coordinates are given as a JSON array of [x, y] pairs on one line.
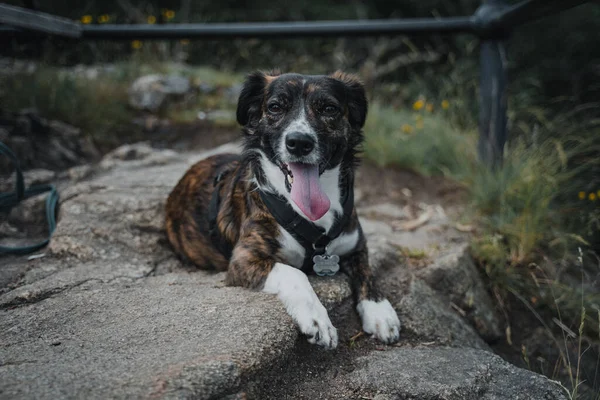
[[284, 208]]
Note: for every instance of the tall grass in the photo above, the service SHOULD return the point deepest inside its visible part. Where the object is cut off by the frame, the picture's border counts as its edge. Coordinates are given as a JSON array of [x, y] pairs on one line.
[[420, 140], [532, 214], [97, 106]]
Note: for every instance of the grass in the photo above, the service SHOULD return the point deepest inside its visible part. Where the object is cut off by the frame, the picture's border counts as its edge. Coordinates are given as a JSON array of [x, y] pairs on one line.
[[530, 214], [419, 140], [95, 106], [99, 105]]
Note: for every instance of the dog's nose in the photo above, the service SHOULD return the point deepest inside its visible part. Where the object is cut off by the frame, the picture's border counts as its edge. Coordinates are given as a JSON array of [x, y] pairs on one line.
[[299, 144]]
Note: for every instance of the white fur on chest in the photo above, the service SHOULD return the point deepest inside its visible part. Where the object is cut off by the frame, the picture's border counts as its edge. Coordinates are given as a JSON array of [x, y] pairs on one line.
[[293, 252]]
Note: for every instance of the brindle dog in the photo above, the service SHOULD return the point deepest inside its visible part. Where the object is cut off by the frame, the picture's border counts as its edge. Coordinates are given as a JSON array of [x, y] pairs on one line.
[[302, 135]]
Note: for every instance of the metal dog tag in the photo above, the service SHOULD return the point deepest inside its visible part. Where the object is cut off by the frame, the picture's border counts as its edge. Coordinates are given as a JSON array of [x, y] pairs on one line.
[[326, 265]]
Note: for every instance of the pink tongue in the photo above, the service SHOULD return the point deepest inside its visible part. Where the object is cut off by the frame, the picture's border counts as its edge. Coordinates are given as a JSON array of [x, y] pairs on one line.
[[307, 192]]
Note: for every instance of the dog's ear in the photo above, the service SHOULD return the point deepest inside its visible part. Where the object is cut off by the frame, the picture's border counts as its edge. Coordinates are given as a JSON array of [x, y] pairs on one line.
[[249, 107], [356, 98]]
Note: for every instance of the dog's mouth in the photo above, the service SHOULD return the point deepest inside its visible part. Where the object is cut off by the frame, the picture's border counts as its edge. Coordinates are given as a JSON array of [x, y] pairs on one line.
[[302, 181]]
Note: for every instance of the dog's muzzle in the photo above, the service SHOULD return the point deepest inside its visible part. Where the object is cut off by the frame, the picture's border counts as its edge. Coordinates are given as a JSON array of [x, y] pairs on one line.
[[299, 144]]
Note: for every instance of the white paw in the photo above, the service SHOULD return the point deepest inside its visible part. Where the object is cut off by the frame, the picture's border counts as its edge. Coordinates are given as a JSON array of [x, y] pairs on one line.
[[313, 321], [380, 320], [302, 304]]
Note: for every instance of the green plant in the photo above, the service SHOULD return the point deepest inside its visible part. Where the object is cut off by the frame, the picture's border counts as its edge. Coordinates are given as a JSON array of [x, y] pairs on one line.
[[531, 213], [97, 106], [419, 140]]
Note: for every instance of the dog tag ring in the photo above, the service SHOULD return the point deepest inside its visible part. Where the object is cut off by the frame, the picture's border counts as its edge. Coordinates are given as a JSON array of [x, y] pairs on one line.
[[326, 265]]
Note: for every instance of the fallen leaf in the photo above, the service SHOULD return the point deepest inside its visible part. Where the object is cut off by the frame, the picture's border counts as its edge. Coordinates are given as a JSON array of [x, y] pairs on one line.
[[464, 228], [415, 223]]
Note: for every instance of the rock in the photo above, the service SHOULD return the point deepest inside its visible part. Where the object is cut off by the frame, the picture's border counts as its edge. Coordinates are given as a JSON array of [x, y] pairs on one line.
[[166, 337], [130, 333], [86, 71], [429, 238], [384, 210], [448, 373], [32, 177], [150, 123], [382, 250], [8, 230], [78, 173], [454, 275], [450, 272], [111, 305], [30, 213], [151, 92], [425, 315], [44, 144], [138, 155], [331, 290]]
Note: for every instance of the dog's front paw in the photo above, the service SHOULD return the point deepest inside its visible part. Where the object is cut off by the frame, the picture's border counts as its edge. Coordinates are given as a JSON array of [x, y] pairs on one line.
[[313, 321], [380, 320], [302, 304]]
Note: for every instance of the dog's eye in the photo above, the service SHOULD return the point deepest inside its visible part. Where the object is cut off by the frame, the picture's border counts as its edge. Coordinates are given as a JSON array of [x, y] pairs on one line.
[[329, 110], [274, 108]]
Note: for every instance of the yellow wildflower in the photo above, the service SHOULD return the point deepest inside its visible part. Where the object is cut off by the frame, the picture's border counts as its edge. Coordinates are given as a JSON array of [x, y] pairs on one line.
[[104, 18], [86, 19], [581, 195], [592, 196], [169, 14], [445, 104], [420, 124], [136, 44], [429, 107], [418, 105], [151, 19], [407, 128]]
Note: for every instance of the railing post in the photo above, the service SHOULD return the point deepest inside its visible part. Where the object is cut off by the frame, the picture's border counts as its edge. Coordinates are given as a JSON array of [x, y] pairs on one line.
[[493, 85]]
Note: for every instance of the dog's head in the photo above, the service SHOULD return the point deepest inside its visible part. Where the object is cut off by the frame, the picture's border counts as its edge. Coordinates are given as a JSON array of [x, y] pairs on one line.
[[305, 125]]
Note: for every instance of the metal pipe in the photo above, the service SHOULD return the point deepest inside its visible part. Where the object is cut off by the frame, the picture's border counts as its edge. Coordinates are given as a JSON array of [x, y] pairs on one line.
[[36, 21], [493, 88], [530, 10], [278, 30]]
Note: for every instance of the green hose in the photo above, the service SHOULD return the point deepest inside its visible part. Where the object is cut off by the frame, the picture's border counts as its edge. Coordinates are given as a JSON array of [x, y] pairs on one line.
[[10, 200]]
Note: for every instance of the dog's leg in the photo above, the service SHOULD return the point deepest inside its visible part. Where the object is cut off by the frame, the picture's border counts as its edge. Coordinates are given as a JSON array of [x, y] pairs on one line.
[[251, 267], [377, 314], [293, 289]]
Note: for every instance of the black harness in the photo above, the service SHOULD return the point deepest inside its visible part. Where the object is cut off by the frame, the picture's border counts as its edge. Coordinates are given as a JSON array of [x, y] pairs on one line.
[[313, 238], [218, 240]]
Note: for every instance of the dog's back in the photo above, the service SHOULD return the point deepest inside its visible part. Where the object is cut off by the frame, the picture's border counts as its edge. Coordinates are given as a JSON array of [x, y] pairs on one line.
[[188, 219]]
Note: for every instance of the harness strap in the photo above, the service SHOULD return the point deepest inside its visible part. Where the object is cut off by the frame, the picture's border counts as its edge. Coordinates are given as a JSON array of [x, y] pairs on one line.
[[217, 239], [313, 238], [10, 200]]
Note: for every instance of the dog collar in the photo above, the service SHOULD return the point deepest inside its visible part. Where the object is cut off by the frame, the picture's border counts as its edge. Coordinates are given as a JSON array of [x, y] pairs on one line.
[[313, 238]]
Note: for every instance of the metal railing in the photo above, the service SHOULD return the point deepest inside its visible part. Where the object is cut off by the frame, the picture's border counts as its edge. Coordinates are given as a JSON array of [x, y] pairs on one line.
[[493, 22]]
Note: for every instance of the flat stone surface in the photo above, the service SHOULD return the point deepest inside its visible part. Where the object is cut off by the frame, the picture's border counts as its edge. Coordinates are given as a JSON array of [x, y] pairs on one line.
[[449, 374], [426, 316], [109, 311], [172, 335], [454, 275]]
